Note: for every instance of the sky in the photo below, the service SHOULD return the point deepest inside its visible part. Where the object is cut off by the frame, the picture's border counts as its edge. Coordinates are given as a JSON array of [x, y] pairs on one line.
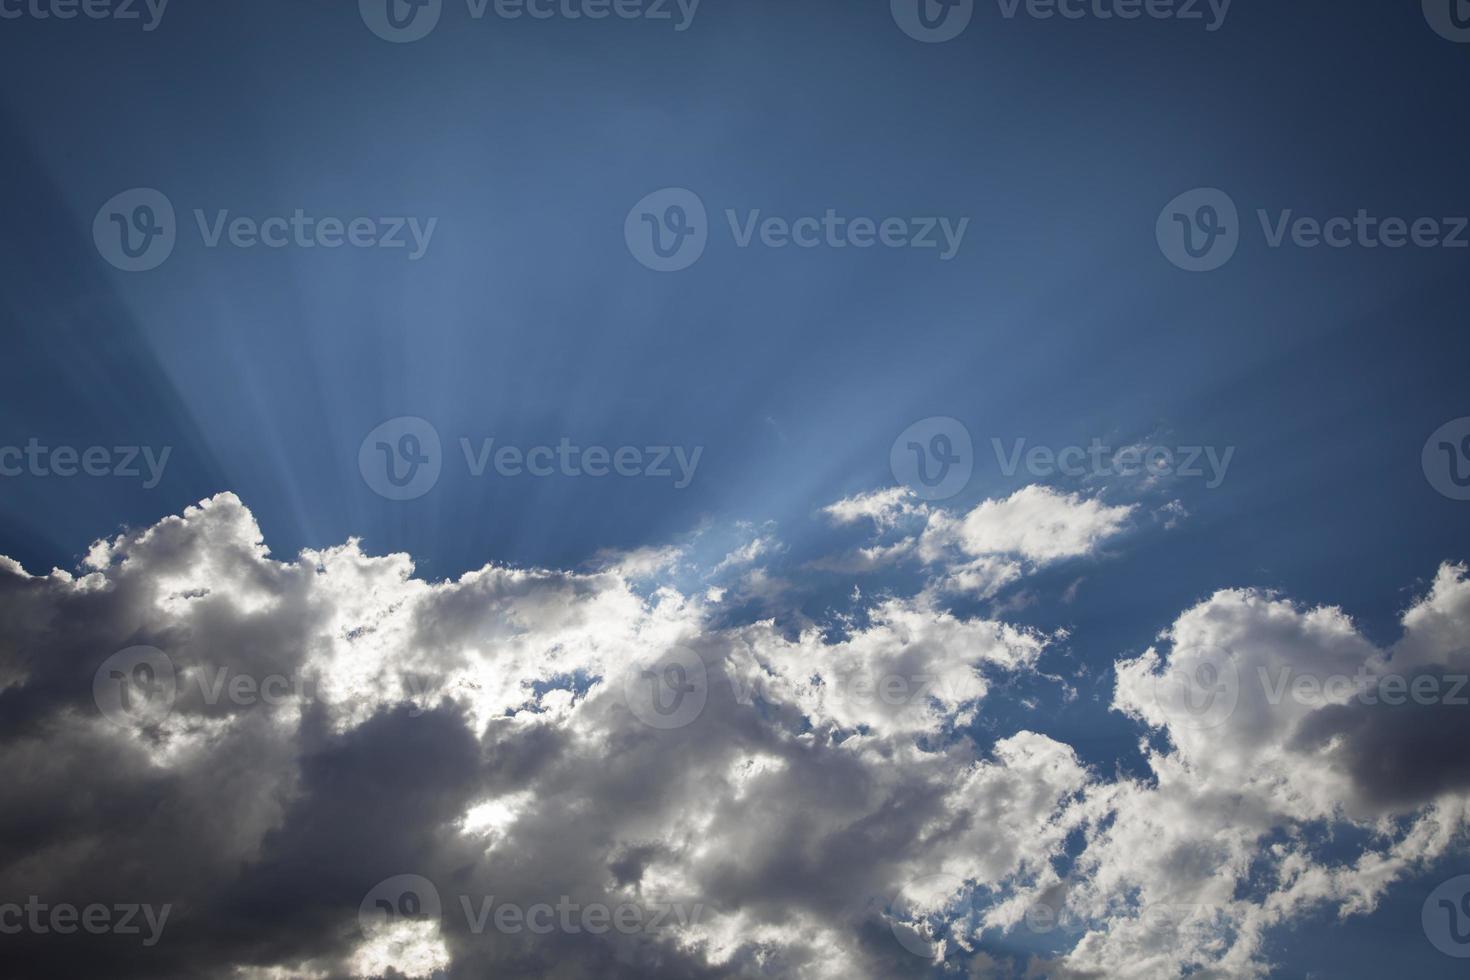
[[452, 362]]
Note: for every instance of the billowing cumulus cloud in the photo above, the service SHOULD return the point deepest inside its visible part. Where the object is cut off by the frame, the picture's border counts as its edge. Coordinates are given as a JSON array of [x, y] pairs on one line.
[[329, 767]]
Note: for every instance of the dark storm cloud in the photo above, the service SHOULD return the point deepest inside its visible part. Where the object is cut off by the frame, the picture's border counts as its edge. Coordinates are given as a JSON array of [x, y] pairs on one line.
[[1400, 751]]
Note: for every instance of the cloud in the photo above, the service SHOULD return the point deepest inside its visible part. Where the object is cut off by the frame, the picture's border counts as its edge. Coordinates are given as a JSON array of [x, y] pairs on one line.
[[885, 508], [815, 803], [1277, 724], [1035, 523], [981, 552]]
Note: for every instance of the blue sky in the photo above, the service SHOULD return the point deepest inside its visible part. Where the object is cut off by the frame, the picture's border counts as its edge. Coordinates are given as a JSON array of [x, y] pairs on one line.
[[528, 320]]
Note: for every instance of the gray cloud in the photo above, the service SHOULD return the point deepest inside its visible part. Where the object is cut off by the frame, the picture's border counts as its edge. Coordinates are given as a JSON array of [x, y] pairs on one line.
[[478, 734]]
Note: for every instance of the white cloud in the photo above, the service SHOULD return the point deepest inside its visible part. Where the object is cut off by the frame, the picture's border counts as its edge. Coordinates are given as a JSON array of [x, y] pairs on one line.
[[1038, 524], [479, 733], [884, 508], [982, 551]]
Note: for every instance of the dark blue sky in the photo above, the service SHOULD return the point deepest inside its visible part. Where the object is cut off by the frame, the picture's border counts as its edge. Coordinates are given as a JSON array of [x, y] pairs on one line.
[[528, 320]]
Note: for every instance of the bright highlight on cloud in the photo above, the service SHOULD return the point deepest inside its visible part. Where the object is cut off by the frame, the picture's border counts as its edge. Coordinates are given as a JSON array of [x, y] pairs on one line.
[[840, 802]]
